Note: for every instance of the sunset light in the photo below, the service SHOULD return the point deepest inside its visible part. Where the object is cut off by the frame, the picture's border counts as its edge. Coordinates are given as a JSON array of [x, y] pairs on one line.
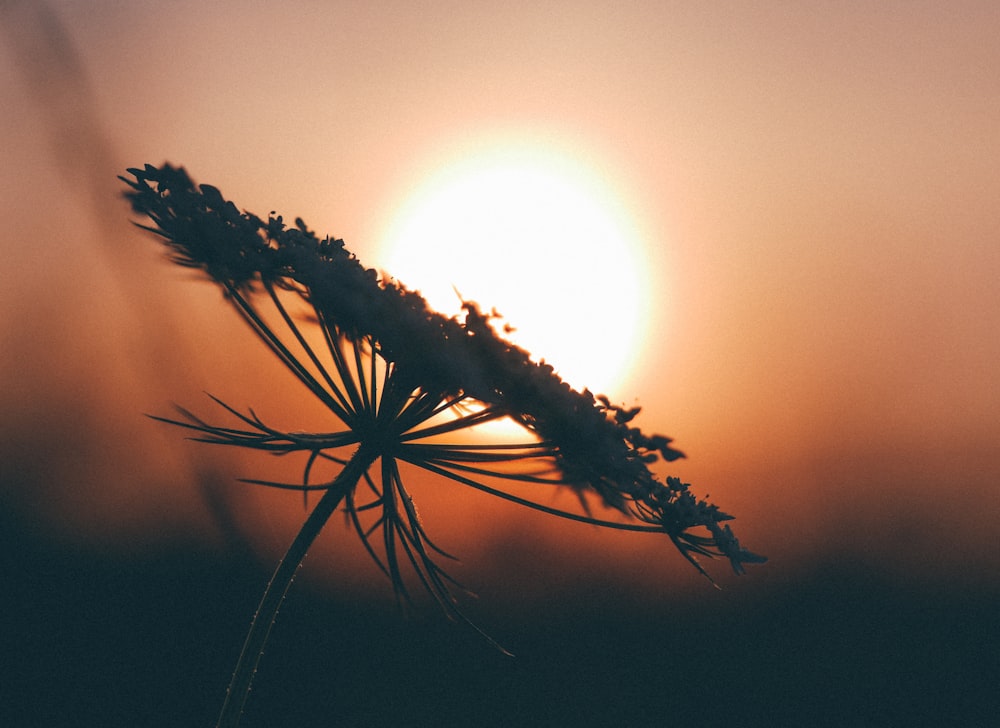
[[484, 272], [541, 239]]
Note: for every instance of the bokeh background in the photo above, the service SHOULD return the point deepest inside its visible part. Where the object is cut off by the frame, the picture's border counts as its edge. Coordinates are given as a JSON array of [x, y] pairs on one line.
[[817, 188]]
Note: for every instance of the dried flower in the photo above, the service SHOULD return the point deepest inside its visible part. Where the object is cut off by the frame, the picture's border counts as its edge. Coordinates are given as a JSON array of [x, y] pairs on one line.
[[402, 379]]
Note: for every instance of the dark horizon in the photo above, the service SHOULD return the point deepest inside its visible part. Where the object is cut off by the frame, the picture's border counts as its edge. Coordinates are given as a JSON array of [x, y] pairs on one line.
[[149, 639]]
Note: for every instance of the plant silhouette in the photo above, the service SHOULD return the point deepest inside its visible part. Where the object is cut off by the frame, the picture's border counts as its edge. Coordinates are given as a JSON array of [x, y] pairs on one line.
[[405, 385]]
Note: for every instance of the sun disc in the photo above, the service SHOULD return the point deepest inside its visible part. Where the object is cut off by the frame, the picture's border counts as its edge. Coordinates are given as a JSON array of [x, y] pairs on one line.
[[540, 239]]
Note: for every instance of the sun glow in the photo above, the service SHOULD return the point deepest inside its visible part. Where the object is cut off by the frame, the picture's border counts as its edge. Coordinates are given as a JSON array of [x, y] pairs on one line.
[[543, 241]]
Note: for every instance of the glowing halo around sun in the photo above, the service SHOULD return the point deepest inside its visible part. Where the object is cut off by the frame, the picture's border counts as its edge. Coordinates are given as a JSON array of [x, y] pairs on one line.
[[542, 240]]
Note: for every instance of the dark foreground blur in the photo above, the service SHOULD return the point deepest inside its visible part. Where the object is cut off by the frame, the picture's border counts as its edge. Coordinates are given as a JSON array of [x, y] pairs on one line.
[[89, 641]]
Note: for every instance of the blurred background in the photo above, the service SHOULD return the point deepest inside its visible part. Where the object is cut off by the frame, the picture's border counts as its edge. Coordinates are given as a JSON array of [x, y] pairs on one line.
[[811, 190]]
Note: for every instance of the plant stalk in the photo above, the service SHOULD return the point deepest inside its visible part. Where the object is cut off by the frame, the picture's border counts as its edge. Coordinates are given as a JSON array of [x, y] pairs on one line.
[[277, 587]]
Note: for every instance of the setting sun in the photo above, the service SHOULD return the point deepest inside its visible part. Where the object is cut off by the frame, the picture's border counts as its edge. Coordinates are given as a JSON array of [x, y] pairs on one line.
[[773, 227], [541, 239]]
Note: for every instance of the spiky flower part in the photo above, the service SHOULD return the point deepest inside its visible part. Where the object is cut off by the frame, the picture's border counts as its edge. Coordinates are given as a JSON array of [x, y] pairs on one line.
[[405, 383], [431, 362]]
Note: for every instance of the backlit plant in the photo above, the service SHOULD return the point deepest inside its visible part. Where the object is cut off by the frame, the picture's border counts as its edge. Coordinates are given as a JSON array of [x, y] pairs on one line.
[[405, 384]]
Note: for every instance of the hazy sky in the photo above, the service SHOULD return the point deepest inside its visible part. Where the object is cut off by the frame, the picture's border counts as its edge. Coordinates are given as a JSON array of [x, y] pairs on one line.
[[814, 187]]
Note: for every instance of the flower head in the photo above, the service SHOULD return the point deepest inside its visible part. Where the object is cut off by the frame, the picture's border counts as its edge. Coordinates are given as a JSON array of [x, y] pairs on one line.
[[403, 379]]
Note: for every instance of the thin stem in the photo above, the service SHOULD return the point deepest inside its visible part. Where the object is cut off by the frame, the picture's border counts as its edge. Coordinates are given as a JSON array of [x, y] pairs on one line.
[[274, 595], [277, 346], [439, 468], [290, 323]]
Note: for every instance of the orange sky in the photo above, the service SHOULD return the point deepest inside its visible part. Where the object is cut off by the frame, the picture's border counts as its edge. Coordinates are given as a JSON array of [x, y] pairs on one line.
[[817, 185]]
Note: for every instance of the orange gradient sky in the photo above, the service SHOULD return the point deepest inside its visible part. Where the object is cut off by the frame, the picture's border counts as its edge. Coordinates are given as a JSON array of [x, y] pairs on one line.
[[813, 189]]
